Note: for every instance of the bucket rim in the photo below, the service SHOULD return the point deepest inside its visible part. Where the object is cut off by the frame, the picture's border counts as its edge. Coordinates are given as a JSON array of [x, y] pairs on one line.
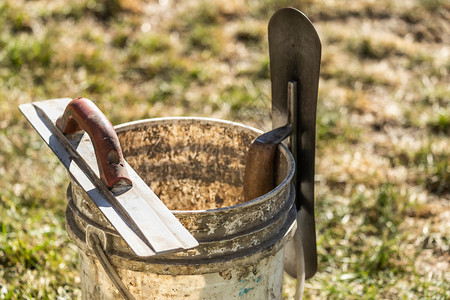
[[143, 122], [284, 150]]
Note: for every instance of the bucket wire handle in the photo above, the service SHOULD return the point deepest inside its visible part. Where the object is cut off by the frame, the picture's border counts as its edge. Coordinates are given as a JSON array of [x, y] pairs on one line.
[[300, 265], [97, 247], [82, 113]]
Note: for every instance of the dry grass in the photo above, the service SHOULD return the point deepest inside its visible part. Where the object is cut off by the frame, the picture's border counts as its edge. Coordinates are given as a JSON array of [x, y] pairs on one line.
[[382, 184]]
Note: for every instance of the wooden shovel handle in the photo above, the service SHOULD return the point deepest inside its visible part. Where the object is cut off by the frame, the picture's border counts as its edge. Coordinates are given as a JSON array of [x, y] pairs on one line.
[[83, 114]]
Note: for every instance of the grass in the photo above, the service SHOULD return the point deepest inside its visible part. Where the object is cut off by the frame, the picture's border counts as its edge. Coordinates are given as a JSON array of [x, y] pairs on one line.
[[382, 172]]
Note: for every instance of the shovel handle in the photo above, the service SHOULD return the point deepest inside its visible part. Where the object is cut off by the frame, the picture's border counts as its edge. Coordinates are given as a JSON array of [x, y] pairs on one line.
[[83, 114]]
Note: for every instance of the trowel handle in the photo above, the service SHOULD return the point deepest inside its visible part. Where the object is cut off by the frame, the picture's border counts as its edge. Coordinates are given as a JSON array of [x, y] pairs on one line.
[[259, 170], [83, 114], [260, 162]]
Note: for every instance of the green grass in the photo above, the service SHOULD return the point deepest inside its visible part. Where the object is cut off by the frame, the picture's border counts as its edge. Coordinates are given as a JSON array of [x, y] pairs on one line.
[[382, 184]]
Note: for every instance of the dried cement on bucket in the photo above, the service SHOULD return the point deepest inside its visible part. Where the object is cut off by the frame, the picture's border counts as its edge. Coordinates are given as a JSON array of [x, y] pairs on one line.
[[195, 166]]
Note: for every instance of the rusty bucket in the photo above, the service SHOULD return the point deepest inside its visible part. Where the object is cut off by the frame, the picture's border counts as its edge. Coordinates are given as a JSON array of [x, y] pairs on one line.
[[195, 166]]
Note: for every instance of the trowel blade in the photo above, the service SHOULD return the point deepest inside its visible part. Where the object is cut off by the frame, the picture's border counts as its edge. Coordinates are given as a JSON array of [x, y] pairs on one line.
[[142, 220], [295, 50]]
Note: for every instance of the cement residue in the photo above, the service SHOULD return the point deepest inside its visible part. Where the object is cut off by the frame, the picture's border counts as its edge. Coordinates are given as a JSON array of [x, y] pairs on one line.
[[189, 166]]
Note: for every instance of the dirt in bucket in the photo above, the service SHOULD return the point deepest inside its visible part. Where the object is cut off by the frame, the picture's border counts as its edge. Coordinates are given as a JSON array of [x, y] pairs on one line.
[[189, 164]]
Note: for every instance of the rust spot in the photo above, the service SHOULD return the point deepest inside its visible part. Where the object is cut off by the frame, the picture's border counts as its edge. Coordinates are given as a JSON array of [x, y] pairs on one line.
[[219, 200], [226, 274], [86, 205]]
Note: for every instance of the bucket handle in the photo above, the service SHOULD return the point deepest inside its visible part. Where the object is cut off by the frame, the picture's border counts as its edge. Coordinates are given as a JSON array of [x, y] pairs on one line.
[[83, 114], [96, 245]]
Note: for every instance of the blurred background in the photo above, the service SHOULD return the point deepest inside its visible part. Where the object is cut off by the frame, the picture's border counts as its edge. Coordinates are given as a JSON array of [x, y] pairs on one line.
[[383, 124]]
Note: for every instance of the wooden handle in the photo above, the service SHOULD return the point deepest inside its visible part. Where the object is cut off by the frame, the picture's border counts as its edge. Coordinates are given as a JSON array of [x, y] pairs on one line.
[[259, 170], [83, 114], [260, 162]]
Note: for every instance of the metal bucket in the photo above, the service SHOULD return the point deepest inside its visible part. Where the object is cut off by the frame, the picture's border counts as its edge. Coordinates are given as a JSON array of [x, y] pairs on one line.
[[196, 168]]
